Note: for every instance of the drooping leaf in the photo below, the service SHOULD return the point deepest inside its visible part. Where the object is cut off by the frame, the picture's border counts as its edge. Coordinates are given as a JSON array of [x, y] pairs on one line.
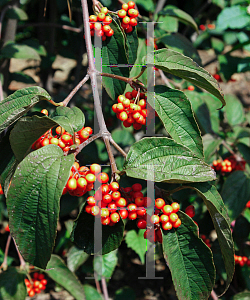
[[245, 151], [104, 265], [91, 293], [12, 286], [33, 202], [184, 67], [22, 137], [173, 11], [7, 174], [236, 193], [180, 43], [13, 50], [234, 110], [5, 151], [162, 159], [59, 272], [20, 102], [100, 241], [16, 13], [147, 5], [241, 230], [132, 43], [113, 55], [189, 260], [234, 17], [71, 119], [168, 23], [22, 77], [75, 258], [211, 144], [175, 111], [218, 213], [137, 243]]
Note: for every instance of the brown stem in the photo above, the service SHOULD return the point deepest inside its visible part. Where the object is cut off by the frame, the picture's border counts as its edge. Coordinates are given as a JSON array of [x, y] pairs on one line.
[[65, 27], [104, 288], [178, 189], [84, 144], [165, 79], [214, 296], [73, 92], [110, 154], [118, 147], [4, 265], [97, 283], [22, 261], [135, 84], [1, 91], [3, 12], [228, 148]]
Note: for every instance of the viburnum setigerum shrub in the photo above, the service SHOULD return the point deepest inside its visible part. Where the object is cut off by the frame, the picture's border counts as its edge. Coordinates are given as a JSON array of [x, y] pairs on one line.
[[34, 173]]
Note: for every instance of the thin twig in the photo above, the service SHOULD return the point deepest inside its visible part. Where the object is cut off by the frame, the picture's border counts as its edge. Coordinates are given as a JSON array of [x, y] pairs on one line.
[[214, 296], [110, 154], [118, 147], [164, 79], [97, 283], [65, 27], [104, 288], [73, 92], [159, 7], [22, 261], [2, 17], [228, 148], [4, 265], [84, 144], [178, 189]]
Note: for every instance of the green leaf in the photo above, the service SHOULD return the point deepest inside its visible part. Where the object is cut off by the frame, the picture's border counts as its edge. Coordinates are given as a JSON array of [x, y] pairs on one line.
[[19, 103], [137, 243], [220, 219], [59, 272], [234, 17], [75, 258], [33, 202], [91, 293], [180, 43], [22, 137], [6, 176], [13, 50], [175, 112], [71, 119], [173, 11], [142, 51], [189, 260], [113, 54], [40, 49], [236, 193], [217, 45], [211, 145], [242, 296], [241, 230], [184, 67], [12, 286], [245, 151], [22, 77], [234, 110], [16, 13], [220, 3], [123, 137], [6, 152], [83, 234], [132, 44], [167, 23], [146, 5], [170, 161], [104, 265]]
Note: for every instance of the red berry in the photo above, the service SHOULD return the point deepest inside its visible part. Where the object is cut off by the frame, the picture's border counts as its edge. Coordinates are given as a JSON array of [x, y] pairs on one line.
[[159, 203], [131, 4], [125, 6], [191, 88], [122, 13], [107, 20], [103, 177], [101, 16], [114, 217], [175, 207], [92, 18], [45, 112], [104, 10], [167, 209], [71, 184], [123, 213], [141, 224], [137, 187], [173, 217], [167, 226], [190, 211]]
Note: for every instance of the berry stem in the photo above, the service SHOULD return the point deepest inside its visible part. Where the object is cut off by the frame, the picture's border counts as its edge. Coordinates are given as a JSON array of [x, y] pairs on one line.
[[84, 144], [118, 147], [104, 288], [165, 79], [178, 189], [73, 92], [106, 139], [97, 283], [214, 295], [4, 265]]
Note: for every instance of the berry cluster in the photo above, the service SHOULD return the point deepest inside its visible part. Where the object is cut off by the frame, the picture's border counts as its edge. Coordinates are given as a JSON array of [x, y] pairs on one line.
[[62, 138], [128, 14], [209, 26], [99, 24], [81, 179], [242, 260], [37, 284], [131, 109], [228, 165], [206, 240], [111, 203]]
